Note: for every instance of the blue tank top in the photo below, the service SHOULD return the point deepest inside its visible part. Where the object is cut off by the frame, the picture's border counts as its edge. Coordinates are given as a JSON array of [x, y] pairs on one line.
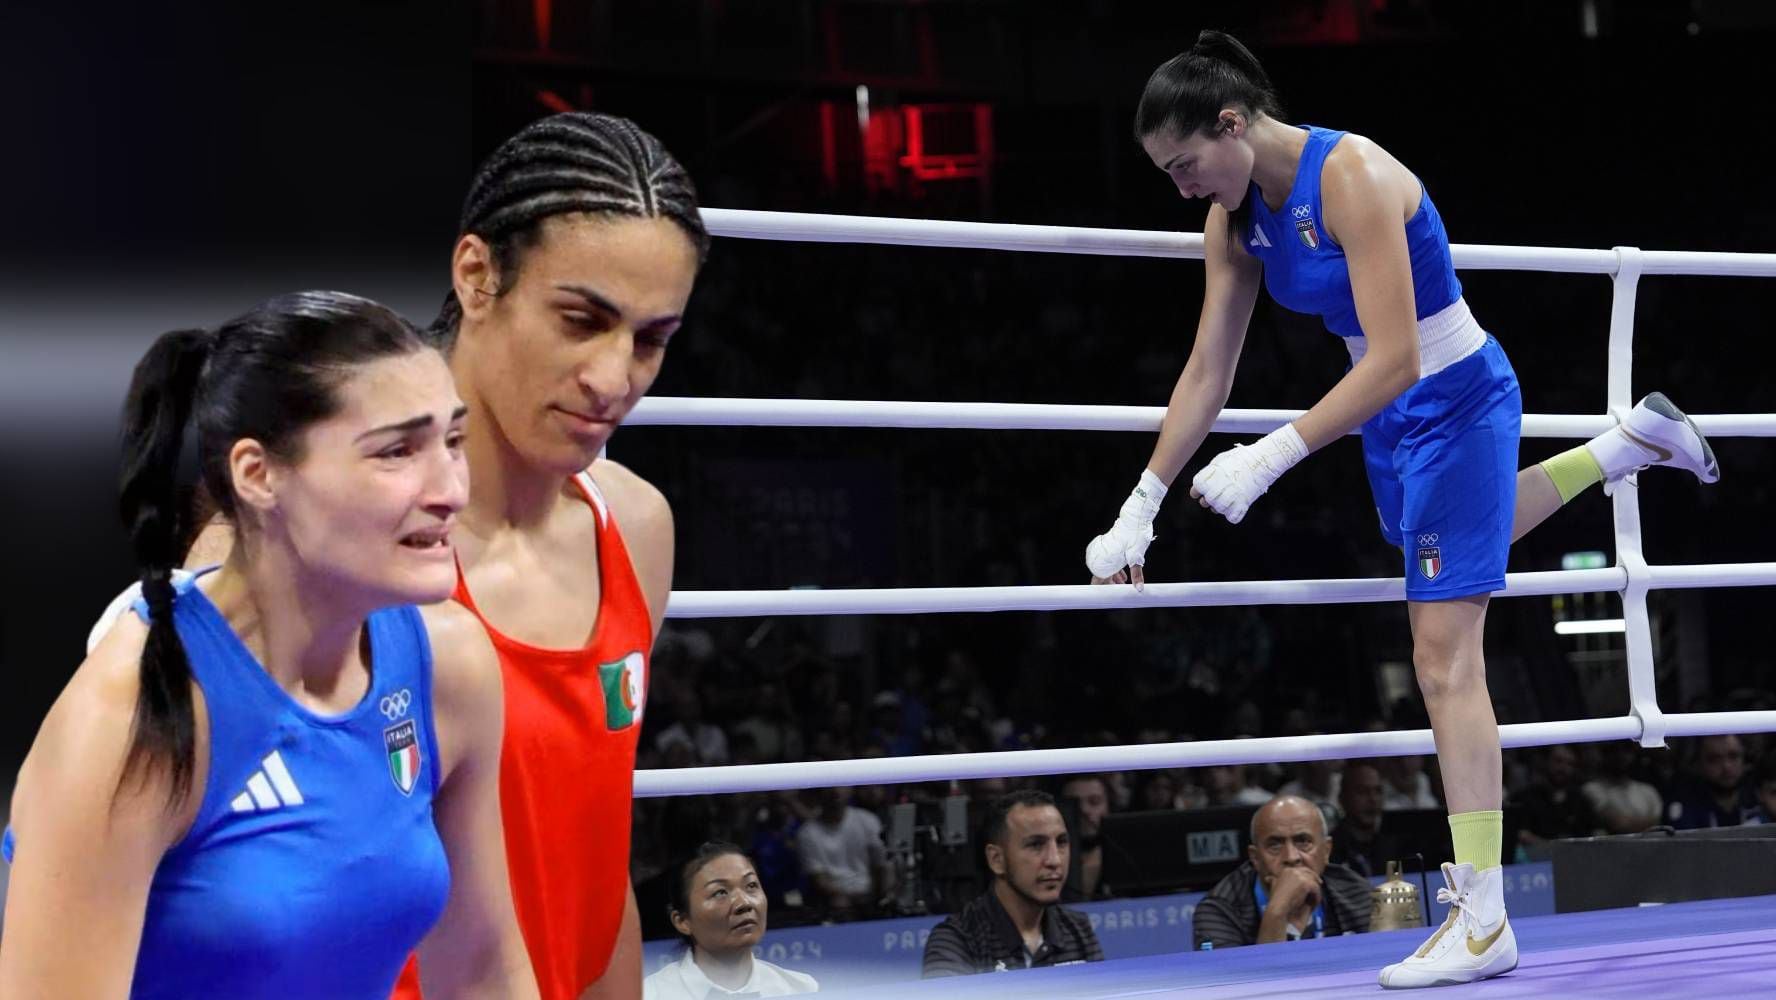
[[1306, 272], [313, 866]]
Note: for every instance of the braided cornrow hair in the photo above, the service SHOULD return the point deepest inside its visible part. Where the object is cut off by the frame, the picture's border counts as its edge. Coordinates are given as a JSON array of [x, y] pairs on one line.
[[576, 161]]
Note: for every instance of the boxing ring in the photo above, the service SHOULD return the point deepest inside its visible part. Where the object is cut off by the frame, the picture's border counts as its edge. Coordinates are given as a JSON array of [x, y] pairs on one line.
[[1610, 953]]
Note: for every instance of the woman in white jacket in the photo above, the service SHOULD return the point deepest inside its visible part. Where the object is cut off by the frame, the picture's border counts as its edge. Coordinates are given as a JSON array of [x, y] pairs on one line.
[[718, 906]]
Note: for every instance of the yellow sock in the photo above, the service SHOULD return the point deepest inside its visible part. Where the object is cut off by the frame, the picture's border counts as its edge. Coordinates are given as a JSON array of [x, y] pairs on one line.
[[1573, 472], [1478, 837]]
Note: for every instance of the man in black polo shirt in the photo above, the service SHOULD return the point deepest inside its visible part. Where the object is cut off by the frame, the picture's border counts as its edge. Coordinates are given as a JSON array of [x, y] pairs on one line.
[[1286, 890], [1018, 923]]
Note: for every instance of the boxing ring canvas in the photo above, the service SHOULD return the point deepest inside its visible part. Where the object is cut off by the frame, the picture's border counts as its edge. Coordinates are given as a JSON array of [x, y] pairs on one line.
[[1723, 947], [1720, 948]]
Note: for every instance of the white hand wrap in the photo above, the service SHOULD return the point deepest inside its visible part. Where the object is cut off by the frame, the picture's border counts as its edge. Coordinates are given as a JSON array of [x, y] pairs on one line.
[[1235, 479], [1125, 544]]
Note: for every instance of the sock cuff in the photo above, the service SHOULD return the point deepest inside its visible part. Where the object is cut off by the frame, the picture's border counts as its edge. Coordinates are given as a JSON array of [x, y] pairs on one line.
[[1479, 837], [1573, 472]]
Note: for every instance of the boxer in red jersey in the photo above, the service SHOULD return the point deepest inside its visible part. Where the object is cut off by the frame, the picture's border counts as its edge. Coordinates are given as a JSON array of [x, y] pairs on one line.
[[580, 242]]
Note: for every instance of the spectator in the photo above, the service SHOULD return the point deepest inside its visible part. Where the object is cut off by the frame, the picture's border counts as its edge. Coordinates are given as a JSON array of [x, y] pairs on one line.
[[1091, 794], [1018, 923], [718, 908], [1361, 844], [1719, 797], [1159, 790], [1227, 786], [708, 743], [773, 848], [1763, 784], [1287, 889], [1317, 781], [772, 726], [888, 729], [1553, 808], [842, 854], [1405, 784], [1623, 804]]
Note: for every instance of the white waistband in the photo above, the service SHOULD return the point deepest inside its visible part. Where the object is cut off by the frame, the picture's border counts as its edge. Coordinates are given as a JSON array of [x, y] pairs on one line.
[[1444, 337]]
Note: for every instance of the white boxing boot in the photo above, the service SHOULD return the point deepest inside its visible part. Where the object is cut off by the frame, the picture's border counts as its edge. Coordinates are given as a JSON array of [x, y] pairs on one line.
[[1655, 433], [1475, 942]]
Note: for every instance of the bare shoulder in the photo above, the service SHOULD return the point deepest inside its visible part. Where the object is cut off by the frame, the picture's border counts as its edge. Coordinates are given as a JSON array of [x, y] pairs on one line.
[[464, 663], [1359, 172], [104, 688], [641, 510], [76, 761], [632, 497], [646, 519], [467, 691], [1355, 158]]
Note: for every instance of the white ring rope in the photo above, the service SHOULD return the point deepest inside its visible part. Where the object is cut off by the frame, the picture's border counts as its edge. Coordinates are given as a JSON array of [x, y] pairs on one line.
[[1632, 577], [690, 411], [1158, 243], [1268, 750], [1084, 597]]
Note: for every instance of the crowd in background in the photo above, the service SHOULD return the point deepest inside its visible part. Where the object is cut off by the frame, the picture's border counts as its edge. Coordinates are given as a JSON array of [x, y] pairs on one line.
[[820, 853]]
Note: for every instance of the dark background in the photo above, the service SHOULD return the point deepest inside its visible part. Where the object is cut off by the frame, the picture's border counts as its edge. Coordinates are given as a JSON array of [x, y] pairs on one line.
[[170, 168]]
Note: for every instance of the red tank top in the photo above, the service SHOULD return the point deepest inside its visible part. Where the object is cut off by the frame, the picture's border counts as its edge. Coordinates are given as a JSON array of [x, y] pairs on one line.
[[567, 774]]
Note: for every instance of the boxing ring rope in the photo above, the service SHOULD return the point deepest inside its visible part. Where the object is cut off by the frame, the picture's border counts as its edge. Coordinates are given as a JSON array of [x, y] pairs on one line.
[[806, 228], [1632, 577], [687, 411], [1083, 597], [1204, 753]]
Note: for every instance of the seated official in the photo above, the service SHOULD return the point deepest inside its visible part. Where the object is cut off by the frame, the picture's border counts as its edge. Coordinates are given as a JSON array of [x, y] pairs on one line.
[[1287, 889], [718, 908], [1019, 922]]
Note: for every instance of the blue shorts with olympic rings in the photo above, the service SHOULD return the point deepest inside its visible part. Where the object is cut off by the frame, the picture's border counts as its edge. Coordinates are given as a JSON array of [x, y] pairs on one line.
[[1442, 463]]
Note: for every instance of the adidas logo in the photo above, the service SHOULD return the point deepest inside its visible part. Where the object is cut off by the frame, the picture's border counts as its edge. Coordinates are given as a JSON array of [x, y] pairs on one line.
[[270, 787], [1258, 237]]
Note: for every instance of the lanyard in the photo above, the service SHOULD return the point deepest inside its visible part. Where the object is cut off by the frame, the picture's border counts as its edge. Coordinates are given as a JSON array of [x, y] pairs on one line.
[[1319, 916]]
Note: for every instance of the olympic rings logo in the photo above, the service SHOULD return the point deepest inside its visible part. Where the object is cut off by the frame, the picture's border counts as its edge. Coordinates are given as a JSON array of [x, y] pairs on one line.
[[1428, 539], [395, 705], [1301, 211]]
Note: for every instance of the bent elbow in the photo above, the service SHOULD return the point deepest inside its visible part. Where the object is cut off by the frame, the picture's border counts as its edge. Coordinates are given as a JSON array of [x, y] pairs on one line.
[[1406, 374], [1398, 369]]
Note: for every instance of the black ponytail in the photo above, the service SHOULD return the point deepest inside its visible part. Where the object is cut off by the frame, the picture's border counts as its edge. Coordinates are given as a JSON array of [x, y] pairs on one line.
[[153, 505], [1186, 94]]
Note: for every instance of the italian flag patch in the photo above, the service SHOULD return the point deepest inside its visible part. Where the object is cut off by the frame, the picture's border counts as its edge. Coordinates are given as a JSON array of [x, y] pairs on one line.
[[402, 742], [1430, 561]]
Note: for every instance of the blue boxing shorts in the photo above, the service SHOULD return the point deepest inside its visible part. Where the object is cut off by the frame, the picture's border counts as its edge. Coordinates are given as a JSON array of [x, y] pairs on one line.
[[1442, 463]]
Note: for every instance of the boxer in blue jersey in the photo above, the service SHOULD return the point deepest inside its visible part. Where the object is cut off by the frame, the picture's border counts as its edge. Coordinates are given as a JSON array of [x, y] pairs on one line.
[[279, 777], [1334, 226]]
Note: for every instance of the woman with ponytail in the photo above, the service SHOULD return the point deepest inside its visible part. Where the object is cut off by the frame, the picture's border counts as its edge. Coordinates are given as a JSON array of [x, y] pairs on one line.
[[579, 244], [278, 777], [1331, 224]]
